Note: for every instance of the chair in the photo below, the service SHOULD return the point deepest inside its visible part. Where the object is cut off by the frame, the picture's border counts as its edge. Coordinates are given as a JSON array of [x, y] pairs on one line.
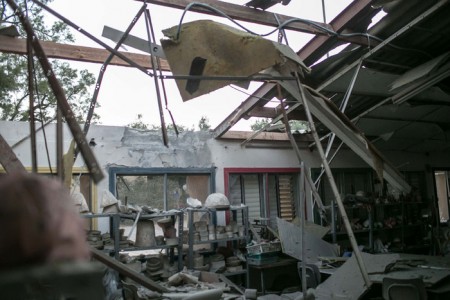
[[312, 274], [403, 289]]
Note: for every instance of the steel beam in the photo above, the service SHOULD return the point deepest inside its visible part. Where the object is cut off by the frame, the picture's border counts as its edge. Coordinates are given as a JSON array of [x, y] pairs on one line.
[[126, 271], [60, 96], [319, 45], [307, 53], [243, 13], [8, 158], [243, 109], [402, 30], [329, 115]]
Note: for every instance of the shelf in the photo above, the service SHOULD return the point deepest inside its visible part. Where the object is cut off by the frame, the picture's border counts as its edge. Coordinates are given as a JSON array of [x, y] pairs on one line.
[[133, 216], [95, 215], [354, 231], [235, 273], [219, 240], [237, 213], [148, 248]]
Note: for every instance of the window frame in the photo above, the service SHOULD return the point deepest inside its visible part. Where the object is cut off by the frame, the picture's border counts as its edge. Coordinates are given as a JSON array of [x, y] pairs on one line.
[[113, 172], [264, 172]]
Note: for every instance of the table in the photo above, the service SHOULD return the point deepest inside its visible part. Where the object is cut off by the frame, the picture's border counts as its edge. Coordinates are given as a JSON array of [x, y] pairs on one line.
[[265, 276]]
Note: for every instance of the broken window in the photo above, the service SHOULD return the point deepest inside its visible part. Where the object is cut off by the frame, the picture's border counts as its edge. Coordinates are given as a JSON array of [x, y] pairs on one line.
[[161, 188], [267, 193]]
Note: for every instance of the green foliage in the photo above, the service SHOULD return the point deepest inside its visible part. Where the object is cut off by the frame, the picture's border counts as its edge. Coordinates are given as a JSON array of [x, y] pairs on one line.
[[138, 124], [295, 125], [203, 124], [14, 93], [300, 126], [259, 124]]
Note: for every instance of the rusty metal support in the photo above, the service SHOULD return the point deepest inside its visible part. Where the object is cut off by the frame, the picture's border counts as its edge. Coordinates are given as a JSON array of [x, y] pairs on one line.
[[152, 39], [87, 123], [309, 54], [30, 66], [334, 187], [59, 144], [8, 158], [67, 112], [124, 270], [93, 38], [314, 191]]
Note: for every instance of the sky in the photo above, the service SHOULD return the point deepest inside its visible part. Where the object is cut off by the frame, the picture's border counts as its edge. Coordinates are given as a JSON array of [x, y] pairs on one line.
[[126, 92]]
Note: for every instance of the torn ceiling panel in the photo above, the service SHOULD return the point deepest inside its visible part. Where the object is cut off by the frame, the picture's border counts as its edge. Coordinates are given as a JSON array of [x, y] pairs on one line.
[[206, 48], [422, 71], [329, 115]]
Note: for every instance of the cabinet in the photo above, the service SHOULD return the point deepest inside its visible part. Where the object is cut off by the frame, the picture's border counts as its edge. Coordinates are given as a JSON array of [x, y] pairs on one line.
[[115, 220], [212, 218]]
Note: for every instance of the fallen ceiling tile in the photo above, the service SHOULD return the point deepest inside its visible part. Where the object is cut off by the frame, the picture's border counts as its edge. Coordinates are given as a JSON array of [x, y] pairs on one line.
[[207, 49]]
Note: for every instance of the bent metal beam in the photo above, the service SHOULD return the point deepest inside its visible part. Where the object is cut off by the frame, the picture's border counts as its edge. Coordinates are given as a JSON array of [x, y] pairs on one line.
[[337, 122]]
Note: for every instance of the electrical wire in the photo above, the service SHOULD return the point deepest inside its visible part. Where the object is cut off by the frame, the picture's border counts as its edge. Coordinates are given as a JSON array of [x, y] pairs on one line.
[[281, 27]]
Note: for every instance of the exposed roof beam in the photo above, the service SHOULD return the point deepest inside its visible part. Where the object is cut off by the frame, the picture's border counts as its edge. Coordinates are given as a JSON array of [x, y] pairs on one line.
[[8, 158], [273, 112], [338, 123], [266, 136], [77, 53], [242, 13], [399, 32], [402, 120], [320, 45], [347, 16], [242, 109], [247, 14]]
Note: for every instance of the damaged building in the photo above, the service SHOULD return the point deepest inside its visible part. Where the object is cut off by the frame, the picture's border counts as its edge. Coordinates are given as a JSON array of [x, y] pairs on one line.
[[353, 206]]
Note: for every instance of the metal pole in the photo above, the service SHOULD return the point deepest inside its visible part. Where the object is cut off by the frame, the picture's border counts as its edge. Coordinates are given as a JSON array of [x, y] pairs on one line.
[[302, 219], [298, 153], [60, 96], [334, 188], [31, 105], [151, 38]]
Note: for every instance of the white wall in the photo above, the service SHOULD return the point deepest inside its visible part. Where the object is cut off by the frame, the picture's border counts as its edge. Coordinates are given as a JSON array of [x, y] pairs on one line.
[[121, 146]]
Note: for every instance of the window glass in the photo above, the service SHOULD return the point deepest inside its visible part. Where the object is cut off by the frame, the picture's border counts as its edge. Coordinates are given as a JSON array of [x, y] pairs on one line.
[[141, 190], [267, 195], [163, 189]]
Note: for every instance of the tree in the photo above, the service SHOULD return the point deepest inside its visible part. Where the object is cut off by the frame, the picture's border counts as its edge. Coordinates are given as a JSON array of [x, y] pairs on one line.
[[299, 126], [203, 124], [259, 124], [295, 125], [14, 94], [138, 124]]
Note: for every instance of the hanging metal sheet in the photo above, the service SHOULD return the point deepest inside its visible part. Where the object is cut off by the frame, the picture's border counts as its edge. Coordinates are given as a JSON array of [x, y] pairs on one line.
[[290, 236]]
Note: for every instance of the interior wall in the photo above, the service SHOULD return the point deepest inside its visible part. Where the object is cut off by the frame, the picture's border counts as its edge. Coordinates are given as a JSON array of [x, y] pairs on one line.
[[121, 146]]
